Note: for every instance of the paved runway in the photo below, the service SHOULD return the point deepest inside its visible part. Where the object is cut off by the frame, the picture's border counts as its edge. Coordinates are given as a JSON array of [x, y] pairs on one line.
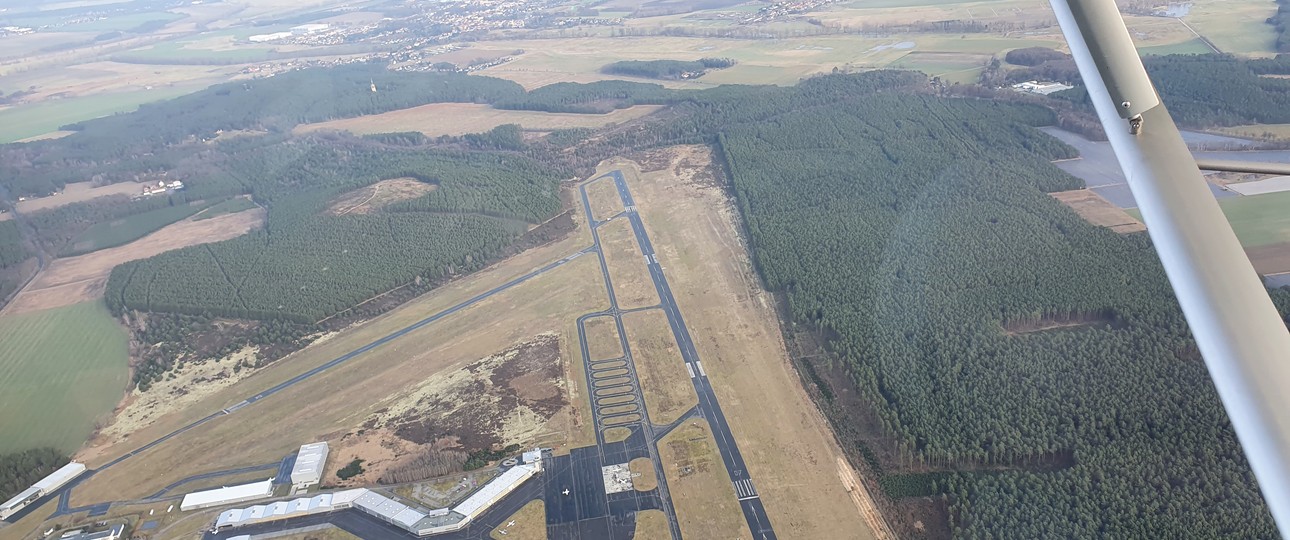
[[572, 486], [749, 500], [64, 493]]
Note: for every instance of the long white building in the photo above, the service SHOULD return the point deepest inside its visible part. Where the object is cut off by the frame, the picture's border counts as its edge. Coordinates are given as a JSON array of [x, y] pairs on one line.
[[46, 485], [227, 495], [411, 518]]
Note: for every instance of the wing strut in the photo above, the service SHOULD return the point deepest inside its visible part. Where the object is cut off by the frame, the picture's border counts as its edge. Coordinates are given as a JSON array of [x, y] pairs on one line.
[[1242, 337]]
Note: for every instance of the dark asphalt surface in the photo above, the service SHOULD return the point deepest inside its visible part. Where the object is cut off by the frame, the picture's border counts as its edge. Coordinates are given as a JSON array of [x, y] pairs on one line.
[[64, 493], [749, 501], [572, 486]]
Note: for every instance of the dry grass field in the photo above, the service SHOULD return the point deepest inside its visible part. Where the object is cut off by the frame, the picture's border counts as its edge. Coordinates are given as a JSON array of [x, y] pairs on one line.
[[605, 202], [602, 338], [78, 192], [787, 444], [700, 486], [643, 478], [652, 525], [330, 405], [78, 279], [456, 119], [1098, 211], [632, 284], [664, 380], [530, 524]]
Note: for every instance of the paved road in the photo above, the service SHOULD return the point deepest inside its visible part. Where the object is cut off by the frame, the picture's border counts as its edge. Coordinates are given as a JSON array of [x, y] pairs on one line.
[[577, 506], [749, 500], [64, 493]]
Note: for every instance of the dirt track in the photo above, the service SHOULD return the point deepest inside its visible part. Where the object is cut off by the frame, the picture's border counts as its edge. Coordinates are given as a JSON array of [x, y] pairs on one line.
[[76, 279]]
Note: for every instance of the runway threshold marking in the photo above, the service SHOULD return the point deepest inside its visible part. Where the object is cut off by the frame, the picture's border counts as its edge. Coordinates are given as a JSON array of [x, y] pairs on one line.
[[699, 364], [690, 369]]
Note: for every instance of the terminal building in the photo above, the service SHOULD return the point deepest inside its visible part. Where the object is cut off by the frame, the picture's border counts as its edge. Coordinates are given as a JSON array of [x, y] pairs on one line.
[[109, 534], [45, 486], [308, 469], [227, 495], [411, 518]]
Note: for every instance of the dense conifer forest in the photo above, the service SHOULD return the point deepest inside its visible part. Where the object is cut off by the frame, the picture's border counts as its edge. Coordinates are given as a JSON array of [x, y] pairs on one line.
[[667, 69], [307, 264], [989, 326], [950, 249]]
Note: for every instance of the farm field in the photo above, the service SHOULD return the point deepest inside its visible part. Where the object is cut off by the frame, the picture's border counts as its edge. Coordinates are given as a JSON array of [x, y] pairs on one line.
[[329, 404], [128, 229], [782, 436], [78, 192], [952, 67], [1098, 211], [82, 278], [61, 371], [36, 119], [1262, 224], [779, 61], [457, 119], [1235, 26], [1191, 46], [1259, 220], [1276, 132]]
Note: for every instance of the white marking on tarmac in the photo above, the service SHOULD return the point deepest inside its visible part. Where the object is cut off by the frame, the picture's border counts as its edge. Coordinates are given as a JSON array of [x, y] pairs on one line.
[[690, 369], [699, 364]]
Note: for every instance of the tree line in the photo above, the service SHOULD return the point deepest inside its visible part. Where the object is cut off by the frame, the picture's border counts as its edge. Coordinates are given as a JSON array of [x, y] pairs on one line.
[[307, 263], [940, 210], [666, 69], [19, 470]]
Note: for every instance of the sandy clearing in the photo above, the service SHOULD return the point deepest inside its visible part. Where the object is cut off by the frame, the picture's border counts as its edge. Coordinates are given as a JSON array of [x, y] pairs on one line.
[[1098, 211], [456, 119], [77, 279]]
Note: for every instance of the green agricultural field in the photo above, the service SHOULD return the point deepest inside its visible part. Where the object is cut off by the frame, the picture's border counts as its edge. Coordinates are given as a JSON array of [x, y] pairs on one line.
[[1235, 26], [60, 371], [231, 206], [963, 68], [1258, 220], [128, 229], [36, 119], [179, 51], [1191, 46]]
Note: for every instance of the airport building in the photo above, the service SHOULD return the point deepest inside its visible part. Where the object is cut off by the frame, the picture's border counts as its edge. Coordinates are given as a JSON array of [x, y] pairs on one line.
[[227, 495], [317, 504], [45, 486], [411, 518], [110, 534], [308, 468]]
